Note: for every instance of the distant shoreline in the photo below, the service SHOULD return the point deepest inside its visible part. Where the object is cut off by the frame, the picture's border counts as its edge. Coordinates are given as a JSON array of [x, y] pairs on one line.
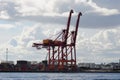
[[97, 71]]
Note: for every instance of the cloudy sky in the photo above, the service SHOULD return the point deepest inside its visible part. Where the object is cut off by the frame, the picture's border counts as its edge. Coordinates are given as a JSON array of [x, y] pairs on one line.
[[23, 22]]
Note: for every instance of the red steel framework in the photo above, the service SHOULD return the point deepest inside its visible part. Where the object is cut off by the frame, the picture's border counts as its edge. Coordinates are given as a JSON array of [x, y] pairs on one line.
[[61, 54]]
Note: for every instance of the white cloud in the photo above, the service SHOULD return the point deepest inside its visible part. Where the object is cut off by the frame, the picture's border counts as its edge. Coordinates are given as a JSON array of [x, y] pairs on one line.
[[35, 7], [6, 26], [22, 44], [102, 47], [51, 14], [90, 49], [4, 15], [37, 32]]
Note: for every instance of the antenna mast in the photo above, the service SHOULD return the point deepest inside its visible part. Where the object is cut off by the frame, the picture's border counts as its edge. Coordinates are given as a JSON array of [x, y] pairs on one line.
[[6, 54]]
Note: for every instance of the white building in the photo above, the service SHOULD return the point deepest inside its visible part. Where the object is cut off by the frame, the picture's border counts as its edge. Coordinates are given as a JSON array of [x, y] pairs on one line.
[[87, 65]]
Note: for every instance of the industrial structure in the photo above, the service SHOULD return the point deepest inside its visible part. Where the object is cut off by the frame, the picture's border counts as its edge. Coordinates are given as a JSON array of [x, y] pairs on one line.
[[61, 56], [62, 50], [34, 66]]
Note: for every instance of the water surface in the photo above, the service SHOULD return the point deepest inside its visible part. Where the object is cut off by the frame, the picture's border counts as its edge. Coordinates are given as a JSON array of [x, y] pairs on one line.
[[59, 76]]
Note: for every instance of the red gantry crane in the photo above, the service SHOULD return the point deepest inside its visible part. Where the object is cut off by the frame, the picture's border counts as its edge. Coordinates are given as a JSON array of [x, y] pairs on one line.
[[61, 54]]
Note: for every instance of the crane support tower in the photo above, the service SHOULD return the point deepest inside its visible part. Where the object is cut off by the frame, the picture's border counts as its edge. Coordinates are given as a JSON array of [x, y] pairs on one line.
[[61, 53]]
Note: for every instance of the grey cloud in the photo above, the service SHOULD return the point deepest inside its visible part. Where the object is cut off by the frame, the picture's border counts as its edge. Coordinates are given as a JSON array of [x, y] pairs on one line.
[[98, 21], [9, 7], [91, 20], [112, 4], [44, 19], [88, 20]]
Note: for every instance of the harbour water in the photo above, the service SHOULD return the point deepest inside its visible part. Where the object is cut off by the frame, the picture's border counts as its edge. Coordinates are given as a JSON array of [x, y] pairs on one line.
[[59, 76]]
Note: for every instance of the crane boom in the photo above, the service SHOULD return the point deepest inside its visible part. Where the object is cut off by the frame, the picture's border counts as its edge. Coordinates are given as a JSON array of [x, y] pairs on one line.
[[77, 24], [68, 25]]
